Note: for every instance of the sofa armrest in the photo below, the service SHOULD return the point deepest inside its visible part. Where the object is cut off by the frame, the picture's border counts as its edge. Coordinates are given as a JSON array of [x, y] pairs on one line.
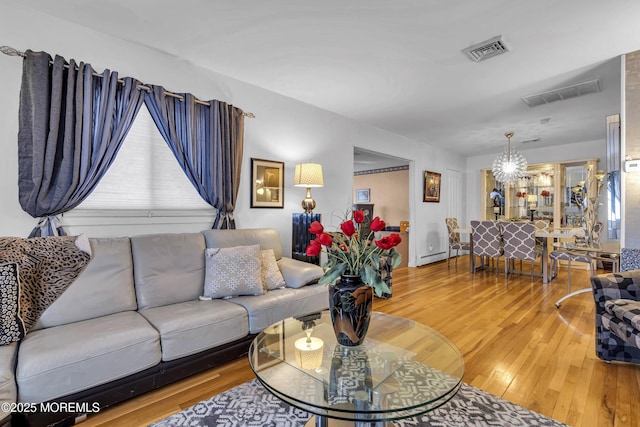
[[298, 273], [624, 285], [8, 388]]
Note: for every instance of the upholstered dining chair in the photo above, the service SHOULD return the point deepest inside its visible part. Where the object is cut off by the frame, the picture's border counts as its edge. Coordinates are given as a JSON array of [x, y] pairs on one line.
[[487, 240], [519, 240], [454, 240]]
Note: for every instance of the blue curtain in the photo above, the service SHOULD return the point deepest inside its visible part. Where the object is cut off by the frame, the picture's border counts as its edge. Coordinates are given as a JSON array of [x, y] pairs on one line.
[[71, 126], [207, 141]]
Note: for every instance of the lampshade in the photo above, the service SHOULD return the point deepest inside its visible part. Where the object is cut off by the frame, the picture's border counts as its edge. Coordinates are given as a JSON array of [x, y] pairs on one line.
[[308, 175], [510, 165], [532, 198]]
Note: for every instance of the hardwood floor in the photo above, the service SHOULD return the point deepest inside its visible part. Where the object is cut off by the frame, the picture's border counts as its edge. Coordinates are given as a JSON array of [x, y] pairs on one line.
[[516, 345]]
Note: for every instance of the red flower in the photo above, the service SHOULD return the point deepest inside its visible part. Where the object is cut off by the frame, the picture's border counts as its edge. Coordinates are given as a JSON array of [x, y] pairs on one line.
[[314, 248], [344, 247], [395, 239], [316, 228], [388, 242], [358, 217], [377, 224], [324, 239], [348, 228]]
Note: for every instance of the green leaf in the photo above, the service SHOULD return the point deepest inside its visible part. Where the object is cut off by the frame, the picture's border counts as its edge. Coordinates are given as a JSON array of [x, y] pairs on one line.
[[333, 274], [396, 258]]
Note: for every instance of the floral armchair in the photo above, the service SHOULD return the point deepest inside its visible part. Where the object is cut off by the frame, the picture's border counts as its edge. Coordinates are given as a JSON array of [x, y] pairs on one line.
[[617, 298]]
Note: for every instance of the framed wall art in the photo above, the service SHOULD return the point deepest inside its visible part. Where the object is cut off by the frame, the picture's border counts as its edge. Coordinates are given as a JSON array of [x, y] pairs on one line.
[[267, 184], [363, 195], [431, 187]]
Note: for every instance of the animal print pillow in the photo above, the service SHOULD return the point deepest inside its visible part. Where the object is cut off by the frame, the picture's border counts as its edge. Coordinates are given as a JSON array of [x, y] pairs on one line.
[[47, 267], [11, 326]]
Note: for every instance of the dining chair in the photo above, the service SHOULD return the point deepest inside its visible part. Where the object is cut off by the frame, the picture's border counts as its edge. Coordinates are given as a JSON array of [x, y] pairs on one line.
[[454, 240], [520, 244], [563, 254], [487, 240]]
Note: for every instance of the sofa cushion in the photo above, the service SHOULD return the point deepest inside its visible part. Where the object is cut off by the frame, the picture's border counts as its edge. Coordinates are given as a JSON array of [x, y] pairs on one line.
[[267, 238], [282, 303], [233, 271], [47, 267], [625, 310], [168, 268], [104, 287], [11, 326], [299, 273], [273, 278], [69, 358], [193, 326], [621, 329], [8, 389]]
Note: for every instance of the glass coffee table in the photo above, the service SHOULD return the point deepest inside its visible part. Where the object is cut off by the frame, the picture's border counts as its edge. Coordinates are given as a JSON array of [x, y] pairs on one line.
[[402, 369]]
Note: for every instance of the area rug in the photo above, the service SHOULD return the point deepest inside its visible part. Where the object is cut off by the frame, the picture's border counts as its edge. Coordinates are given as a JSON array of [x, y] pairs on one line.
[[251, 405]]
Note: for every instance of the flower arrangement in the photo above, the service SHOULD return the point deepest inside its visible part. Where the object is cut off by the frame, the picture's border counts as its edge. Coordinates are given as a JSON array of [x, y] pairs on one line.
[[521, 194], [350, 252], [545, 193]]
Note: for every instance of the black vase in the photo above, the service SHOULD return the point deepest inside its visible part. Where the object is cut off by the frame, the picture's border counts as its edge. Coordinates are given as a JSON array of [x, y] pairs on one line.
[[350, 303]]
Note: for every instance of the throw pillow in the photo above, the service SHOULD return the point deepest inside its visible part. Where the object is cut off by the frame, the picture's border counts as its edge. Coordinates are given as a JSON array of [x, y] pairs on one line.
[[233, 271], [47, 266], [11, 326], [272, 276]]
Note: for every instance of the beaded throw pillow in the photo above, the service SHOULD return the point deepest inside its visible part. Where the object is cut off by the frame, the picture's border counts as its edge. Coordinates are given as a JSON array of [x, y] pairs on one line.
[[272, 276], [233, 272], [11, 326]]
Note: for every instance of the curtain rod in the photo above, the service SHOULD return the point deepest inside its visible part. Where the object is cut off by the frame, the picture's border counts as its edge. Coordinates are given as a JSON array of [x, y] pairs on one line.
[[8, 50]]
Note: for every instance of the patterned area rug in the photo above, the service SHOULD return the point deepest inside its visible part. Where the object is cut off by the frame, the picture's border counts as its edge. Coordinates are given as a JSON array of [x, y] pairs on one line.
[[250, 404]]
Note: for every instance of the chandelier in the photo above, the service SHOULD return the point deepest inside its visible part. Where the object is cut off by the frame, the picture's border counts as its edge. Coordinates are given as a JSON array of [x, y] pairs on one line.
[[510, 165]]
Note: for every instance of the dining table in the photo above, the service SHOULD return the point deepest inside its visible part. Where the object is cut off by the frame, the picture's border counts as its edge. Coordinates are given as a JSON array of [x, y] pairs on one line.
[[544, 233]]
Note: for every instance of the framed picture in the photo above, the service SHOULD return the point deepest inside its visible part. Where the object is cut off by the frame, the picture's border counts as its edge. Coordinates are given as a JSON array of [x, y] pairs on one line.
[[267, 184], [363, 195], [431, 187]]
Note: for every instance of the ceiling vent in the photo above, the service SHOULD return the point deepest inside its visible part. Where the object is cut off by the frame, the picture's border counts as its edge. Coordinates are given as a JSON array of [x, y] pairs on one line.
[[487, 49], [531, 141], [568, 92]]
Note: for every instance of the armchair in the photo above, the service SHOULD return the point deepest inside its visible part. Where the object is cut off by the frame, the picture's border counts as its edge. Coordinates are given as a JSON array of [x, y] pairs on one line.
[[617, 299]]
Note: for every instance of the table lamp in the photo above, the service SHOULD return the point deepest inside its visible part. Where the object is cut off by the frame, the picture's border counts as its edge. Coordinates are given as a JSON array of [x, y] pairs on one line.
[[532, 199], [309, 351], [308, 175]]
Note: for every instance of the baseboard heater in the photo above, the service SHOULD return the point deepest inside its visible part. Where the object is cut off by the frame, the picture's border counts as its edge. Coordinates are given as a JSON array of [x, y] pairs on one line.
[[432, 255]]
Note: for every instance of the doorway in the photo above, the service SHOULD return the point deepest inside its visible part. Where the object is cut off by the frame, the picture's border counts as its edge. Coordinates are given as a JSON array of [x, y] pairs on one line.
[[382, 181]]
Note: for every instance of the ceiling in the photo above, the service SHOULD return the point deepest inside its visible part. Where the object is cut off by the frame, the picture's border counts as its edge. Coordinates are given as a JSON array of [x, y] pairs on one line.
[[398, 65]]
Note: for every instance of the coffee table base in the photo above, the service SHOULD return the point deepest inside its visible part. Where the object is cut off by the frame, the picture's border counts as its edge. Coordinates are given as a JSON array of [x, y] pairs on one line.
[[319, 421]]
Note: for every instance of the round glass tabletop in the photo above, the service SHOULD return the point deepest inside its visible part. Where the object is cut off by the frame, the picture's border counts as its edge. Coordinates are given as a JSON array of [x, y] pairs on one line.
[[402, 369]]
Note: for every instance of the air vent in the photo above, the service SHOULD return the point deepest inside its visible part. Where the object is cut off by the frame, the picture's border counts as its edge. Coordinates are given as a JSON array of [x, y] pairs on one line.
[[531, 141], [487, 49], [568, 92]]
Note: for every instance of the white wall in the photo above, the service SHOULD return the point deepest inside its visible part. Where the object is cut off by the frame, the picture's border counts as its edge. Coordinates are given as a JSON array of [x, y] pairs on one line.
[[284, 130], [562, 153]]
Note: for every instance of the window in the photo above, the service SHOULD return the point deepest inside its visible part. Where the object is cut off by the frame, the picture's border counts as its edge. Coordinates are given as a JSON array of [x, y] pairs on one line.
[[145, 176]]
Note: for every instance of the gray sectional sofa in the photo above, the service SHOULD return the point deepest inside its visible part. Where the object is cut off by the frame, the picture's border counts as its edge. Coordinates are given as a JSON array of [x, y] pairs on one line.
[[133, 321]]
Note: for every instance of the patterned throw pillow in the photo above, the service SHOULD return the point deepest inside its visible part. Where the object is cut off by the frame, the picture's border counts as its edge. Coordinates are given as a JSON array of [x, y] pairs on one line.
[[233, 271], [11, 326], [272, 276], [47, 266]]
